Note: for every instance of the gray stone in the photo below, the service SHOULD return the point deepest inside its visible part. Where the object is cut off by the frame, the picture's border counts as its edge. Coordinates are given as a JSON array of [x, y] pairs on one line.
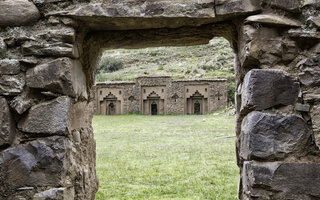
[[22, 102], [9, 67], [316, 21], [265, 88], [315, 118], [7, 124], [55, 194], [43, 2], [313, 3], [273, 19], [12, 84], [281, 180], [48, 118], [288, 5], [310, 77], [265, 136], [302, 107], [43, 162], [3, 47], [58, 49], [62, 75], [236, 7], [299, 33], [17, 13], [59, 34]]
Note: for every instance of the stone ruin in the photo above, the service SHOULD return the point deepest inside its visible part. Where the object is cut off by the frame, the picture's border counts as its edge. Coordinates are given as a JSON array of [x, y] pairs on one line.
[[153, 95], [49, 51]]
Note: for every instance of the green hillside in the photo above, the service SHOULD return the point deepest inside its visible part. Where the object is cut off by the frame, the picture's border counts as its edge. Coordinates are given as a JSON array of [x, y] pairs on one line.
[[214, 60]]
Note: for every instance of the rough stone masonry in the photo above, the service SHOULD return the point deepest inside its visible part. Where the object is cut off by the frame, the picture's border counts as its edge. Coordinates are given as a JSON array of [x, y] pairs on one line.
[[49, 50]]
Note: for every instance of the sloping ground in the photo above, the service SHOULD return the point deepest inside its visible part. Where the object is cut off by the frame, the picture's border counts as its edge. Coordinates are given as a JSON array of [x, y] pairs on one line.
[[214, 60]]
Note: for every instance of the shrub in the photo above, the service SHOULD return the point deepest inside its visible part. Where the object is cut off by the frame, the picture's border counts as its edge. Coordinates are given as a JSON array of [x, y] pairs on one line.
[[109, 64]]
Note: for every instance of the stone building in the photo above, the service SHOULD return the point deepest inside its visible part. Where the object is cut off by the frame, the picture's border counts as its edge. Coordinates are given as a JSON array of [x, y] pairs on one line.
[[152, 95]]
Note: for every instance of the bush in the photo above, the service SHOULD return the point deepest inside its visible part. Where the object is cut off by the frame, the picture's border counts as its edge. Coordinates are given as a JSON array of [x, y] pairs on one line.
[[231, 91], [109, 64]]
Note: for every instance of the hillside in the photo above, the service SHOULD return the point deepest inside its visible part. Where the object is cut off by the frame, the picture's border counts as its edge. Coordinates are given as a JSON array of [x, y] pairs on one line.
[[214, 60]]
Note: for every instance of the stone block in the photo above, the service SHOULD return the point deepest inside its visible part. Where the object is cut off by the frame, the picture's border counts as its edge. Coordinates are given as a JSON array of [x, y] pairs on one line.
[[312, 3], [12, 84], [7, 124], [22, 102], [281, 180], [273, 19], [55, 194], [58, 49], [17, 13], [265, 88], [288, 5], [265, 136], [3, 47], [236, 7], [302, 107], [48, 118], [40, 163], [61, 34], [9, 67], [315, 118], [310, 77], [62, 75]]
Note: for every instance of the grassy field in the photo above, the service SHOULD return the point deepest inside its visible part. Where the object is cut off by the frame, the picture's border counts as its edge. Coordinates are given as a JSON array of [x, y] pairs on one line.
[[166, 157]]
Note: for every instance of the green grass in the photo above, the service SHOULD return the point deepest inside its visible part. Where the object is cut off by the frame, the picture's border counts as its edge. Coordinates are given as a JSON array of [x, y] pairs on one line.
[[166, 157]]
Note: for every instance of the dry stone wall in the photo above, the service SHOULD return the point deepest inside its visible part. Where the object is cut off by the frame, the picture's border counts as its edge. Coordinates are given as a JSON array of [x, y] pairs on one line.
[[48, 54]]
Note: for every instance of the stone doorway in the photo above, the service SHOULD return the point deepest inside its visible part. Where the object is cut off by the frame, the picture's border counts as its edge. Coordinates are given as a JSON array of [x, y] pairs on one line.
[[111, 109], [154, 108], [55, 47], [197, 108]]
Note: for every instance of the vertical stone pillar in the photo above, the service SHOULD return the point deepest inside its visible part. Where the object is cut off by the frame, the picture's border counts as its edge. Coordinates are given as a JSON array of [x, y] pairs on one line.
[[277, 106]]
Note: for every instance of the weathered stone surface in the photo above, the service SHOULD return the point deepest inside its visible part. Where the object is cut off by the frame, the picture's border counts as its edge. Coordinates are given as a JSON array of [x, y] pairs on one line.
[[263, 89], [281, 180], [266, 136], [59, 34], [58, 49], [43, 162], [315, 118], [3, 47], [7, 124], [298, 33], [316, 21], [310, 77], [9, 67], [62, 75], [129, 15], [48, 118], [43, 2], [17, 13], [273, 19], [22, 102], [289, 5], [302, 107], [313, 3], [12, 84], [236, 7], [55, 194]]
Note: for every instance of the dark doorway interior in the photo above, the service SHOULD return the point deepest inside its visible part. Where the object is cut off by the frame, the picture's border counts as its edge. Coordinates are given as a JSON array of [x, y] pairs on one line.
[[197, 108], [112, 109], [154, 109]]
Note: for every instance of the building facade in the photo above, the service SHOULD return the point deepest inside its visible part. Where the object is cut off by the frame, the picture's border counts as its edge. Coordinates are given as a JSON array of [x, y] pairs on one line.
[[157, 95]]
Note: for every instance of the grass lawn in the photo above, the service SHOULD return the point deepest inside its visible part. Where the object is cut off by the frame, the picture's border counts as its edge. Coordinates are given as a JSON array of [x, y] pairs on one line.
[[166, 157]]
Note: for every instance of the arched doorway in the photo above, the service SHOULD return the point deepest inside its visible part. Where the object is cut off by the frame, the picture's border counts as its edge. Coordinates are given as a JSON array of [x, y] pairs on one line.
[[197, 104]]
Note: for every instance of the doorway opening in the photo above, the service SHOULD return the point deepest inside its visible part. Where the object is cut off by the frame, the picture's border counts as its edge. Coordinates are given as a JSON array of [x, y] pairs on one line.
[[154, 108], [154, 154]]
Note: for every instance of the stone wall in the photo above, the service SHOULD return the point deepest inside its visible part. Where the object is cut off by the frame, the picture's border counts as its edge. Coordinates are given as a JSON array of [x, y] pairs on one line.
[[49, 50]]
